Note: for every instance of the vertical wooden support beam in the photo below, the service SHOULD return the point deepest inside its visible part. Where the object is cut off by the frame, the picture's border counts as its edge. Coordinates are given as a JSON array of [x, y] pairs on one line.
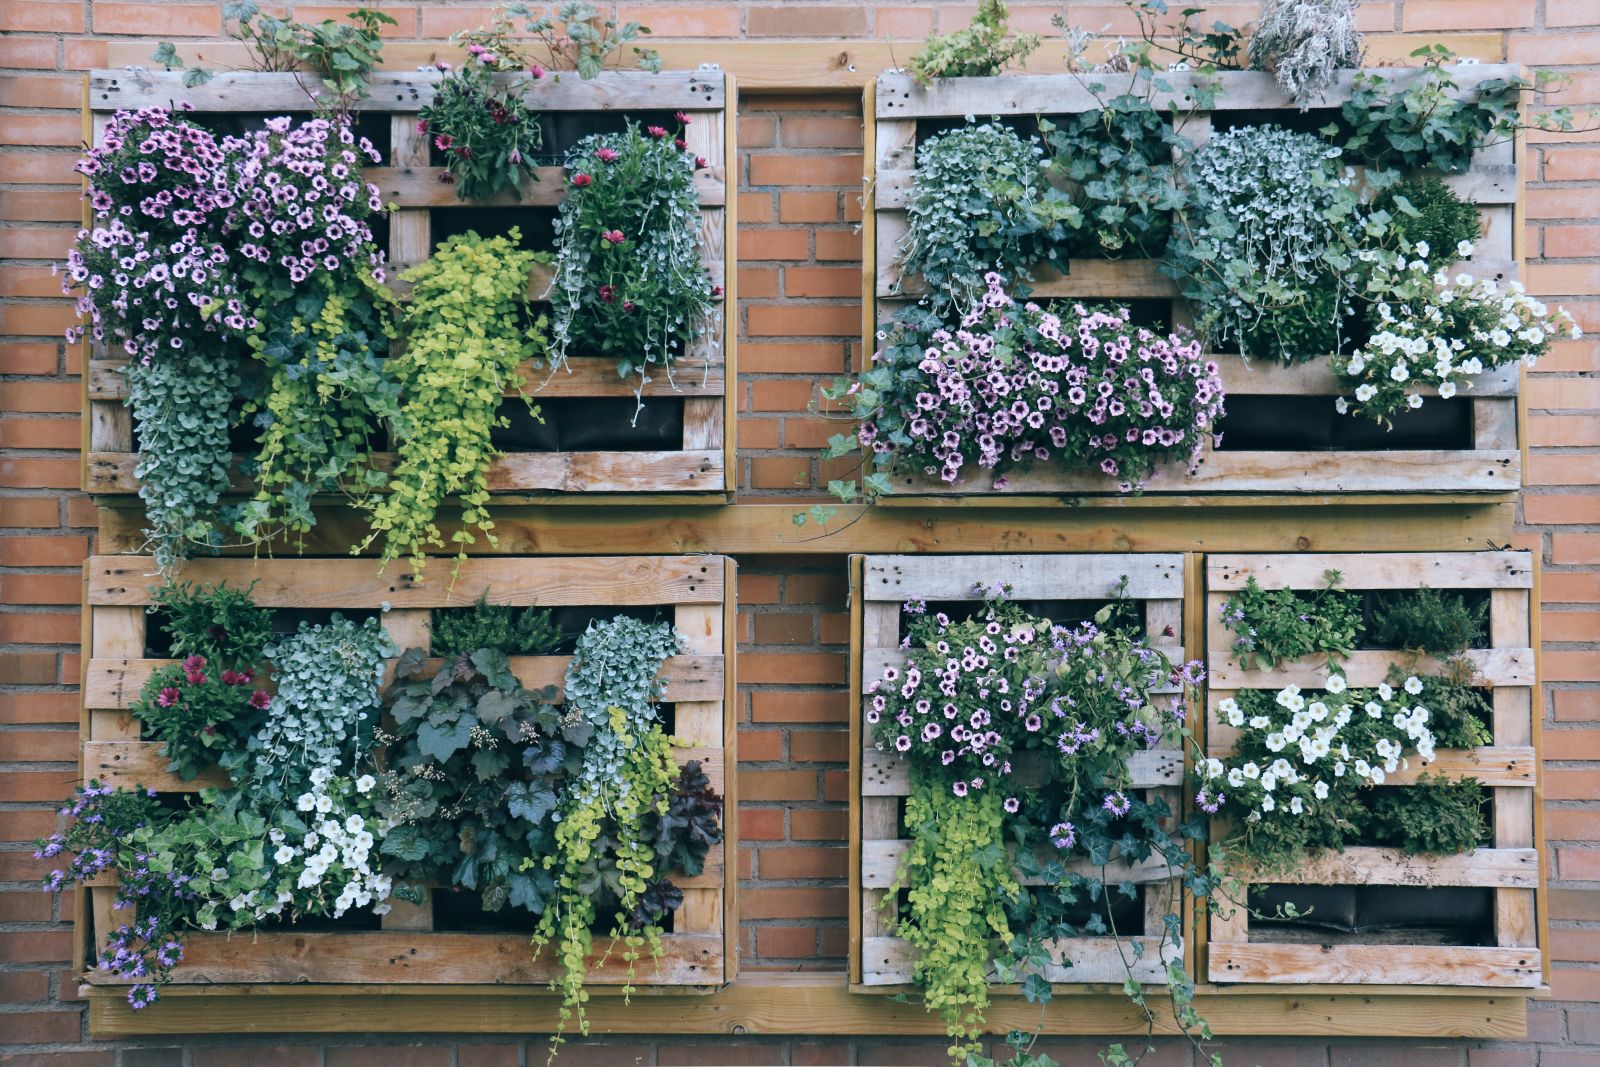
[[853, 703], [703, 416], [1510, 627], [115, 633], [702, 722], [880, 816]]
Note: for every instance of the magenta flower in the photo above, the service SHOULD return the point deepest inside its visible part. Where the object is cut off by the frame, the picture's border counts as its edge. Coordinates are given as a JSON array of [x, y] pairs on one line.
[[608, 294], [607, 155], [683, 119], [613, 237], [582, 181], [168, 697], [656, 131], [260, 700], [443, 142]]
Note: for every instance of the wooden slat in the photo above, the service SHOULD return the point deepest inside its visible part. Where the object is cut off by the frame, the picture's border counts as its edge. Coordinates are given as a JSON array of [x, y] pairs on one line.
[[1373, 570], [567, 472], [1432, 965], [581, 376], [887, 774], [1368, 667], [555, 581], [1055, 94], [405, 91], [1360, 865], [141, 763], [880, 860], [1514, 767], [889, 960], [423, 187], [116, 683], [1265, 378], [874, 661], [370, 956], [1057, 577]]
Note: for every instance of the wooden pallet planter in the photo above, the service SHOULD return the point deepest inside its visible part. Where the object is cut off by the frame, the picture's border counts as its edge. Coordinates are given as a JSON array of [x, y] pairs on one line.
[[882, 963], [696, 471], [699, 951], [1508, 768], [1491, 465]]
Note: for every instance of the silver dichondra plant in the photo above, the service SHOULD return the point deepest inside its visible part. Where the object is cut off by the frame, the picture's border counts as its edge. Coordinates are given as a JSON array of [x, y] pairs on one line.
[[1304, 43]]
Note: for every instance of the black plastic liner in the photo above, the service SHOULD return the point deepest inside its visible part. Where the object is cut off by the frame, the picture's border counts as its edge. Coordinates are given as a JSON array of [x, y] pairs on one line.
[[1375, 914], [591, 424], [1310, 424]]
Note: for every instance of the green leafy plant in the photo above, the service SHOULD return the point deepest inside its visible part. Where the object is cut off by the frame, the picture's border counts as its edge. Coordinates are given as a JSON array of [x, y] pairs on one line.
[[981, 203], [1459, 711], [1305, 43], [467, 330], [1117, 165], [199, 710], [1438, 622], [1418, 120], [1436, 816], [1425, 212], [516, 631], [482, 123], [222, 624], [1270, 220], [630, 284], [342, 54], [578, 38], [981, 50], [476, 763], [1279, 625]]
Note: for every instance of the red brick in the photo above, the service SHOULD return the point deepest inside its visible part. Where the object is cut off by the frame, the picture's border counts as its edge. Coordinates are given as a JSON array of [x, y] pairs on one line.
[[759, 433], [758, 282], [1568, 666], [760, 746], [761, 824], [838, 245], [1570, 625], [804, 20], [792, 357], [61, 129], [41, 588], [43, 551], [821, 131], [340, 13], [44, 1027], [597, 1052], [758, 588], [46, 946], [1569, 13], [28, 668], [775, 169], [24, 987], [782, 395], [796, 863], [1567, 983], [755, 207], [388, 1056], [1570, 587], [777, 785], [27, 824], [818, 1053], [904, 23], [1563, 469], [1554, 49], [773, 244], [818, 824], [29, 358], [780, 472], [36, 242], [783, 629], [1571, 241], [37, 168], [43, 396], [808, 207], [40, 16], [819, 746], [1577, 705], [778, 942], [38, 707], [32, 906], [1564, 431], [822, 281], [32, 53], [1467, 14], [1564, 203], [836, 786], [1575, 548], [1563, 784], [49, 746], [797, 706], [803, 320], [793, 668], [757, 131], [791, 903], [815, 589], [1563, 509], [724, 1053]]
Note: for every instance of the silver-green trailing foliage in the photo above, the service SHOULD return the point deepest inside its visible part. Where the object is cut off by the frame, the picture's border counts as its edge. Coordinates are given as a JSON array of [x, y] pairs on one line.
[[1305, 43]]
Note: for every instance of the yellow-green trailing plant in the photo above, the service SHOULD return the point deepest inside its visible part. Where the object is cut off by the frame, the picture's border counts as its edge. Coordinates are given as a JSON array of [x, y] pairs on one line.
[[466, 330]]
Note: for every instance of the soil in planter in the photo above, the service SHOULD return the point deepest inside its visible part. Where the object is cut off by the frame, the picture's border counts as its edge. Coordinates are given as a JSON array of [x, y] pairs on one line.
[[1310, 424], [285, 621], [591, 424], [1373, 915]]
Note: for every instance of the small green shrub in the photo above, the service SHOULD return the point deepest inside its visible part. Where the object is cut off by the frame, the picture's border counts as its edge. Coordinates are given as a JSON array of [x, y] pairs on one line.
[[220, 623], [514, 631], [1434, 817], [1431, 621], [1426, 210], [983, 49], [1281, 624]]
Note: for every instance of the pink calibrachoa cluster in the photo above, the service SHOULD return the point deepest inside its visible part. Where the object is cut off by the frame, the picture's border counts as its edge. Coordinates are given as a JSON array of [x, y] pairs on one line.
[[974, 695], [1015, 385]]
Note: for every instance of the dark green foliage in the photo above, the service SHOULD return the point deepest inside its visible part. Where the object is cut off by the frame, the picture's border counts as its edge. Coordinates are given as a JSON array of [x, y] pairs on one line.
[[476, 766], [1116, 164], [1435, 816], [1423, 126], [221, 624], [1459, 712], [1427, 210], [981, 50], [515, 631], [1282, 624], [1308, 327], [692, 824], [1427, 620]]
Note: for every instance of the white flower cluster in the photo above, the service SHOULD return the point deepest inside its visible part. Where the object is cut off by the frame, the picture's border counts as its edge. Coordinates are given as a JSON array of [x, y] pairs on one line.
[[329, 844], [1439, 330], [1339, 739]]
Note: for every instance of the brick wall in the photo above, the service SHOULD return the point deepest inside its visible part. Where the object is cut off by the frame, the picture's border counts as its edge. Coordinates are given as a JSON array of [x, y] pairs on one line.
[[799, 322]]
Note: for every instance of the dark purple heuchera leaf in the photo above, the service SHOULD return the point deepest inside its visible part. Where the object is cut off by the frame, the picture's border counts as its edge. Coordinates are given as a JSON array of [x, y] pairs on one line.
[[692, 824]]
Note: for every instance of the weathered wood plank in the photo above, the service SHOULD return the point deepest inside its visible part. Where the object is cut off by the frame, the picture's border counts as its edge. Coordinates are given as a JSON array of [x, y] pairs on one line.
[[1431, 965], [408, 91], [1151, 576], [566, 472], [425, 187], [1368, 667], [889, 960], [1373, 570], [880, 861], [115, 683], [1360, 865], [886, 774], [898, 97], [405, 957], [553, 581], [1264, 378]]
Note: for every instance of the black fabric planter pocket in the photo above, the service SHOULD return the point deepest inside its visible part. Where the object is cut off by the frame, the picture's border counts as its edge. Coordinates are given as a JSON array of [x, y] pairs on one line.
[[607, 424], [1277, 424], [1437, 424], [525, 431]]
